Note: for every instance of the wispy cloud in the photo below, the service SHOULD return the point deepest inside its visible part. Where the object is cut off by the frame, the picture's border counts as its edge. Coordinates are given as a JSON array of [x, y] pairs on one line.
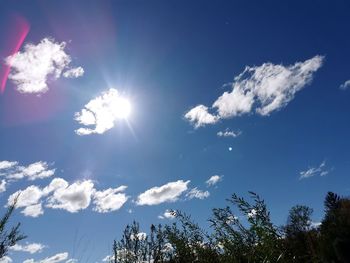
[[74, 73], [261, 89], [100, 112], [345, 85], [60, 257], [213, 180], [320, 170], [31, 68], [197, 193], [229, 133], [169, 192]]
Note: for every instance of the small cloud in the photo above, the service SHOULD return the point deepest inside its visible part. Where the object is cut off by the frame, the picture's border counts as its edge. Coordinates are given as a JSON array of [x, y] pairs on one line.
[[196, 193], [260, 89], [7, 164], [74, 73], [109, 200], [229, 133], [60, 257], [31, 68], [199, 116], [345, 85], [6, 259], [3, 186], [167, 214], [321, 170], [213, 180], [169, 192]]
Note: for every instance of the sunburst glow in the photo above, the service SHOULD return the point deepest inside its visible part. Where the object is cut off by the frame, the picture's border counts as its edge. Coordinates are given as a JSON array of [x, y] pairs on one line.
[[122, 108]]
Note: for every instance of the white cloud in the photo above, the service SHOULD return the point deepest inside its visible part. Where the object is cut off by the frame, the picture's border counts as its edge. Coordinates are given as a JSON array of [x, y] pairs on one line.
[[229, 133], [31, 248], [169, 192], [33, 210], [196, 193], [59, 194], [345, 85], [73, 198], [6, 259], [199, 116], [27, 197], [109, 199], [7, 164], [262, 89], [3, 186], [321, 170], [60, 257], [106, 258], [74, 73], [213, 180], [31, 69], [167, 214], [38, 170], [100, 112]]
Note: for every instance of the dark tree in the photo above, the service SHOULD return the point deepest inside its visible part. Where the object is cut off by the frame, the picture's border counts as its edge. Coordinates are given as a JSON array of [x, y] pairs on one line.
[[9, 238]]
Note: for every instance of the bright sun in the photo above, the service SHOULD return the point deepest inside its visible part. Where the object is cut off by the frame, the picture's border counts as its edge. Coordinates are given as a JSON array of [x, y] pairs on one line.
[[122, 108]]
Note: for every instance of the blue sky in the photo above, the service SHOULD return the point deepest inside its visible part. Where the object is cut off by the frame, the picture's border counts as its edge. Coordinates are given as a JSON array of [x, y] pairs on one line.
[[252, 93]]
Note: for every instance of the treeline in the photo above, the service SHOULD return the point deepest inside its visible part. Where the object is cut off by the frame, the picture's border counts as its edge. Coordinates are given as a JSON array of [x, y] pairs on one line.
[[243, 237]]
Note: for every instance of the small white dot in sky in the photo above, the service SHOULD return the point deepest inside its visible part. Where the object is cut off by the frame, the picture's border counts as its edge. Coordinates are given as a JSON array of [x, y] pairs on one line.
[[230, 148]]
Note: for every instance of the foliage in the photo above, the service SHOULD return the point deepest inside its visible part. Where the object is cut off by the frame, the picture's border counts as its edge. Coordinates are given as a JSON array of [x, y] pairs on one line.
[[242, 232], [11, 237]]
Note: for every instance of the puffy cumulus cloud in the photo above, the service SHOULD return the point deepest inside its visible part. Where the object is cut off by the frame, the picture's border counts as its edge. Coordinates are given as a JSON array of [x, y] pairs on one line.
[[169, 192], [13, 171], [3, 186], [27, 197], [31, 248], [200, 116], [102, 112], [33, 210], [60, 257], [59, 194], [31, 68], [196, 193], [167, 214], [109, 199], [213, 180], [320, 170], [7, 164], [261, 89], [6, 259], [74, 73], [73, 198], [229, 133]]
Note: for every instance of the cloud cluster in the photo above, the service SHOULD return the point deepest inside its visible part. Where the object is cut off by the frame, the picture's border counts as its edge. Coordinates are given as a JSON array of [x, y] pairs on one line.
[[13, 171], [169, 192], [59, 194], [31, 68], [321, 170], [261, 89], [213, 180], [31, 248], [101, 113]]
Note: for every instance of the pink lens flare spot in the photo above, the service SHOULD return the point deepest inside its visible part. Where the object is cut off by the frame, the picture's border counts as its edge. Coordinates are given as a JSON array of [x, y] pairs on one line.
[[18, 29]]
